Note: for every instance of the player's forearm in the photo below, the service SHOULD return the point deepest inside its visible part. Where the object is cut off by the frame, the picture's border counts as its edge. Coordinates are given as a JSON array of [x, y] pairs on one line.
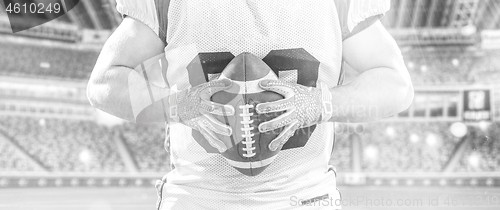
[[124, 92], [374, 94]]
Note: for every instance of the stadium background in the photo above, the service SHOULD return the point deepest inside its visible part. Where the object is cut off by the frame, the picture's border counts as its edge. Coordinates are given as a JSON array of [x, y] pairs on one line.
[[57, 152]]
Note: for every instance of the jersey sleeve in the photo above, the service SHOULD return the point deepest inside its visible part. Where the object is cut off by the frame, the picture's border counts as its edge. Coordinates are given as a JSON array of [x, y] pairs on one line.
[[143, 10], [356, 15]]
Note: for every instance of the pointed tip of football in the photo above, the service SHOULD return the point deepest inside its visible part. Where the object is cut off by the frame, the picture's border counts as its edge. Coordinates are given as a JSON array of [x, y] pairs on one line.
[[252, 67]]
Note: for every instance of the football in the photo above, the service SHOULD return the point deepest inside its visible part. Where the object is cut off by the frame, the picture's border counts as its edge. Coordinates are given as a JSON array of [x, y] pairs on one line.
[[248, 149]]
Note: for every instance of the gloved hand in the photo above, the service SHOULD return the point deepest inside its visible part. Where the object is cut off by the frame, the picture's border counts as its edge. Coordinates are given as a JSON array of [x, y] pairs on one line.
[[192, 107], [304, 106]]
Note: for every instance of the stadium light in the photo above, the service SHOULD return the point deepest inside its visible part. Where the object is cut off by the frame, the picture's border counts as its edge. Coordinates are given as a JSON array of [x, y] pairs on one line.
[[390, 132], [22, 182], [122, 182], [106, 182], [423, 68], [90, 182], [371, 152], [443, 182], [58, 182], [42, 182], [138, 182], [431, 140], [42, 122], [75, 182], [468, 30], [458, 129], [411, 65], [85, 157], [484, 125], [490, 182], [45, 65], [414, 138], [474, 160]]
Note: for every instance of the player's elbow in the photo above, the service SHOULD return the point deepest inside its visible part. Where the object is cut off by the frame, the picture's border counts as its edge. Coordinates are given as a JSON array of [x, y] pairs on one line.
[[398, 96], [407, 99], [397, 89], [97, 89], [405, 91], [93, 95], [106, 91], [92, 89]]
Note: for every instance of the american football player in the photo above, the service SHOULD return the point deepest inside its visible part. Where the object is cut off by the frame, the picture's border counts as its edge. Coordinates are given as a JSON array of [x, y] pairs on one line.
[[162, 63]]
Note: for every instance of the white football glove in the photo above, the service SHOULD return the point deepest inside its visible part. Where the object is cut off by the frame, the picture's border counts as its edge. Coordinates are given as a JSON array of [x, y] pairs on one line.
[[304, 106], [192, 107]]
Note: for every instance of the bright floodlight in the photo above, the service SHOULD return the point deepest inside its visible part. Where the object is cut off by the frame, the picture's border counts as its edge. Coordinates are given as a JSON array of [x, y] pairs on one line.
[[458, 129], [414, 138], [371, 152], [431, 140], [390, 132], [484, 125], [411, 65], [474, 160], [423, 68], [468, 30], [42, 122], [85, 156]]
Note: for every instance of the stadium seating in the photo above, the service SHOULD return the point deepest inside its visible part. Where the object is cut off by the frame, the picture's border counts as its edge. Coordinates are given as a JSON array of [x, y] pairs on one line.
[[341, 156], [146, 144], [81, 146], [11, 160], [84, 146], [440, 66], [426, 67], [482, 152], [407, 146], [42, 62], [485, 68], [65, 145]]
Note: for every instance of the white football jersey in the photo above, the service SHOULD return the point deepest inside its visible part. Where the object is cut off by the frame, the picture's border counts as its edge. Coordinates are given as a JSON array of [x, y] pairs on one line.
[[301, 40]]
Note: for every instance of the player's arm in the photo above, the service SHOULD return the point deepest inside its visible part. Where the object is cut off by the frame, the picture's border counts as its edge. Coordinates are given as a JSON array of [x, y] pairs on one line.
[[115, 87], [383, 87]]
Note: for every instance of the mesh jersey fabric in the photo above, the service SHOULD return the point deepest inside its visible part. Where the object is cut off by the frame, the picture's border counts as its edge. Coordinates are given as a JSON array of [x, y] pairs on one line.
[[302, 42]]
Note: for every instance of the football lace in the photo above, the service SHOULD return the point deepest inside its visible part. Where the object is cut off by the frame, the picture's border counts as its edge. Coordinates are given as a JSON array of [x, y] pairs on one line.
[[247, 130]]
